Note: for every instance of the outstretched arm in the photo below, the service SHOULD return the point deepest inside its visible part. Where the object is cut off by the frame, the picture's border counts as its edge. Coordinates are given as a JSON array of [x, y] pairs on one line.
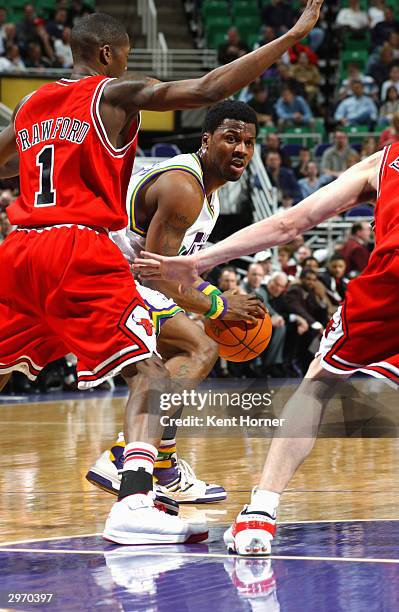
[[357, 184], [218, 84]]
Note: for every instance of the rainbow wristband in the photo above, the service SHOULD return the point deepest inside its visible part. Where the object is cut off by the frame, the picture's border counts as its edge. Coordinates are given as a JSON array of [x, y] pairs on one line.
[[208, 289], [218, 307]]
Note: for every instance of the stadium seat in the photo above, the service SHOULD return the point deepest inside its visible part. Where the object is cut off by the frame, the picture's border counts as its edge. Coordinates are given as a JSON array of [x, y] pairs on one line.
[[356, 132], [165, 150], [216, 9], [292, 149], [319, 150], [364, 210]]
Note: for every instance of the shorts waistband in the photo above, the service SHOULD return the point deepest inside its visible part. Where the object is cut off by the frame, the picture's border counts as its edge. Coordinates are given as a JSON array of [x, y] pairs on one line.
[[43, 228]]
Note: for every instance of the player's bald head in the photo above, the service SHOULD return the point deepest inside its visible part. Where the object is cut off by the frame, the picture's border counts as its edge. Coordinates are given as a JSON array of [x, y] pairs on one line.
[[95, 31]]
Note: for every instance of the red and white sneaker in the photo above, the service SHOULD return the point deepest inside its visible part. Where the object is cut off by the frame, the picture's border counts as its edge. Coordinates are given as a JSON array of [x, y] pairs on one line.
[[135, 520], [251, 533]]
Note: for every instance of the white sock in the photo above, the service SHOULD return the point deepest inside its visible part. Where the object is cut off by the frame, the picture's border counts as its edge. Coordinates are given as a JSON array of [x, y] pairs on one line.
[[139, 455], [265, 500]]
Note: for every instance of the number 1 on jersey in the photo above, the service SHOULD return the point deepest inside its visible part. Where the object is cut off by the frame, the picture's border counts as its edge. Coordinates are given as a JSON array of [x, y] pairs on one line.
[[47, 194]]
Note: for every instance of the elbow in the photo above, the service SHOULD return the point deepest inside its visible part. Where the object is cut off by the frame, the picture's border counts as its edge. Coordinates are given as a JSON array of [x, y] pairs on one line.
[[210, 91]]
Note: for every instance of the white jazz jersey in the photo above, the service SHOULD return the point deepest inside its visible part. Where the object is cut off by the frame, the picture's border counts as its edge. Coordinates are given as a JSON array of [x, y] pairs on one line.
[[131, 240]]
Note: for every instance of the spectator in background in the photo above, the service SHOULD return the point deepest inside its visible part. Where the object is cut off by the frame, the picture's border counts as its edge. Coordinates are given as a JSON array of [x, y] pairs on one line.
[[376, 12], [263, 108], [279, 15], [55, 28], [12, 61], [308, 300], [3, 20], [353, 159], [358, 109], [369, 147], [282, 178], [233, 48], [10, 31], [390, 106], [355, 250], [34, 57], [26, 29], [292, 110], [335, 159], [63, 50], [352, 19], [228, 279], [267, 35], [304, 157], [311, 263], [391, 134], [393, 81], [78, 9], [274, 356], [295, 51], [382, 31], [265, 259], [284, 79], [272, 144], [308, 74], [334, 279], [394, 44], [312, 182], [369, 85], [380, 67]]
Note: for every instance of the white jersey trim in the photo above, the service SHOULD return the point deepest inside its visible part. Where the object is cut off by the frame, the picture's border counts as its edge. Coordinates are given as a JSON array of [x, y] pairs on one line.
[[100, 128]]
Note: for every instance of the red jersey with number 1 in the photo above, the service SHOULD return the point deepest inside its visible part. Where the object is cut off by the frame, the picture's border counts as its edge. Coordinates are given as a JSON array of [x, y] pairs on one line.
[[70, 172]]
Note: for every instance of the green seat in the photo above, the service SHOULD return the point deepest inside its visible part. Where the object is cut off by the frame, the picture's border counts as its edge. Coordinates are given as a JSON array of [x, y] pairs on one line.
[[15, 4], [299, 135], [358, 56], [218, 9], [216, 38], [356, 132]]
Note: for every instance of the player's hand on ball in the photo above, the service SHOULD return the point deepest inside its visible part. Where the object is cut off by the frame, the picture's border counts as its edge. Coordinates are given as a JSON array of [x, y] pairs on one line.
[[243, 307]]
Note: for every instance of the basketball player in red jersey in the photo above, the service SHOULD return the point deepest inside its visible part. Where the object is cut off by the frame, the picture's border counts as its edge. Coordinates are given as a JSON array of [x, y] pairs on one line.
[[361, 337], [65, 285]]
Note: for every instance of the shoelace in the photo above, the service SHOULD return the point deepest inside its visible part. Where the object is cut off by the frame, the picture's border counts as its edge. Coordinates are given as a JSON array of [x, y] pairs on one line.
[[187, 475]]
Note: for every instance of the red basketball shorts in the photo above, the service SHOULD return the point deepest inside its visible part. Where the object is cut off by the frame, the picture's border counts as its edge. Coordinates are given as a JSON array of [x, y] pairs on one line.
[[68, 289], [363, 335]]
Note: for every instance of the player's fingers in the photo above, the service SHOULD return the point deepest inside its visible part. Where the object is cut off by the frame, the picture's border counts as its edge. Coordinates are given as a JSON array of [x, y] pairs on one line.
[[152, 257]]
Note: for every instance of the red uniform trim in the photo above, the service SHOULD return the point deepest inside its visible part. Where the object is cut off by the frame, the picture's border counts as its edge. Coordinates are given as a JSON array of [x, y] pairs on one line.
[[262, 525]]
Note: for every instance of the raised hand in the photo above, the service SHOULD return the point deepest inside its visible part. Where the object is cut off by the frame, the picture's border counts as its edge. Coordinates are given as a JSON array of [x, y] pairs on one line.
[[308, 19]]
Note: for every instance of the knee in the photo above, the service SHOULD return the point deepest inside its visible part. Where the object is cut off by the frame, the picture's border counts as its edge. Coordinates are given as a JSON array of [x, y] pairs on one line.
[[152, 369]]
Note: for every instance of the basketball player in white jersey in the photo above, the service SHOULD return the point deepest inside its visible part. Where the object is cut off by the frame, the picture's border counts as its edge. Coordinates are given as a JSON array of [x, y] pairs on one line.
[[172, 208]]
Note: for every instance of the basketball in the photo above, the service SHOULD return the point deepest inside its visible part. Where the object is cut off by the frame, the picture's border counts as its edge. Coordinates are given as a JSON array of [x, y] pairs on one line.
[[239, 340]]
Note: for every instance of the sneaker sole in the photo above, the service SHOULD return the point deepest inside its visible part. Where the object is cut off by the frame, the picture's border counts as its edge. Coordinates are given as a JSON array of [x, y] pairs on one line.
[[140, 540], [164, 503], [112, 485]]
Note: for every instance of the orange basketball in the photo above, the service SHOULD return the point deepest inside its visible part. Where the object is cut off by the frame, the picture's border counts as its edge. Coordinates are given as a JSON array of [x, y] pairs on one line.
[[239, 340]]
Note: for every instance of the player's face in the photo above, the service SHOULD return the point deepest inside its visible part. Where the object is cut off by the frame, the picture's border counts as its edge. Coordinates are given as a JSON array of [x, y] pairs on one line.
[[118, 64], [231, 147]]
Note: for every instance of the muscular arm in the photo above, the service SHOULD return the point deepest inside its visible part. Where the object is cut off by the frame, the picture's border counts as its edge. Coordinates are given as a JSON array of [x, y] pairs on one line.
[[218, 84], [179, 200], [358, 184], [8, 146]]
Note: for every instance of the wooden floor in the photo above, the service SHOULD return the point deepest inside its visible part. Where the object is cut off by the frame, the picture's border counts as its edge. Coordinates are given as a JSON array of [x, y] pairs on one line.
[[48, 447]]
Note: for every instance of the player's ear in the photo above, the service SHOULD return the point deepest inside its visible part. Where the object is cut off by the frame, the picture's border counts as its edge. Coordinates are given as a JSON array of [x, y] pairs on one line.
[[105, 55], [205, 140]]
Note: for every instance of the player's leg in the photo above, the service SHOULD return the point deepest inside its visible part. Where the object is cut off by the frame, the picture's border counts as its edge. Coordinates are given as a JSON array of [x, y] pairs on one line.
[[134, 519], [189, 356], [254, 528]]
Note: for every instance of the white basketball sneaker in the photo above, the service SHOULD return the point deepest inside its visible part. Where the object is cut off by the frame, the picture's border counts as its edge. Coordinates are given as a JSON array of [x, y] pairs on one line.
[[251, 533], [134, 520]]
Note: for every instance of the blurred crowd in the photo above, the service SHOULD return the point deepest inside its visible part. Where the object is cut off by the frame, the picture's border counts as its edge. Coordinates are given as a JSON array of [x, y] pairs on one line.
[[38, 40]]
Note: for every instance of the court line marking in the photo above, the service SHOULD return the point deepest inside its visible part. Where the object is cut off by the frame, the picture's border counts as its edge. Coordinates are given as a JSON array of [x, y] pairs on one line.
[[280, 524], [165, 552]]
